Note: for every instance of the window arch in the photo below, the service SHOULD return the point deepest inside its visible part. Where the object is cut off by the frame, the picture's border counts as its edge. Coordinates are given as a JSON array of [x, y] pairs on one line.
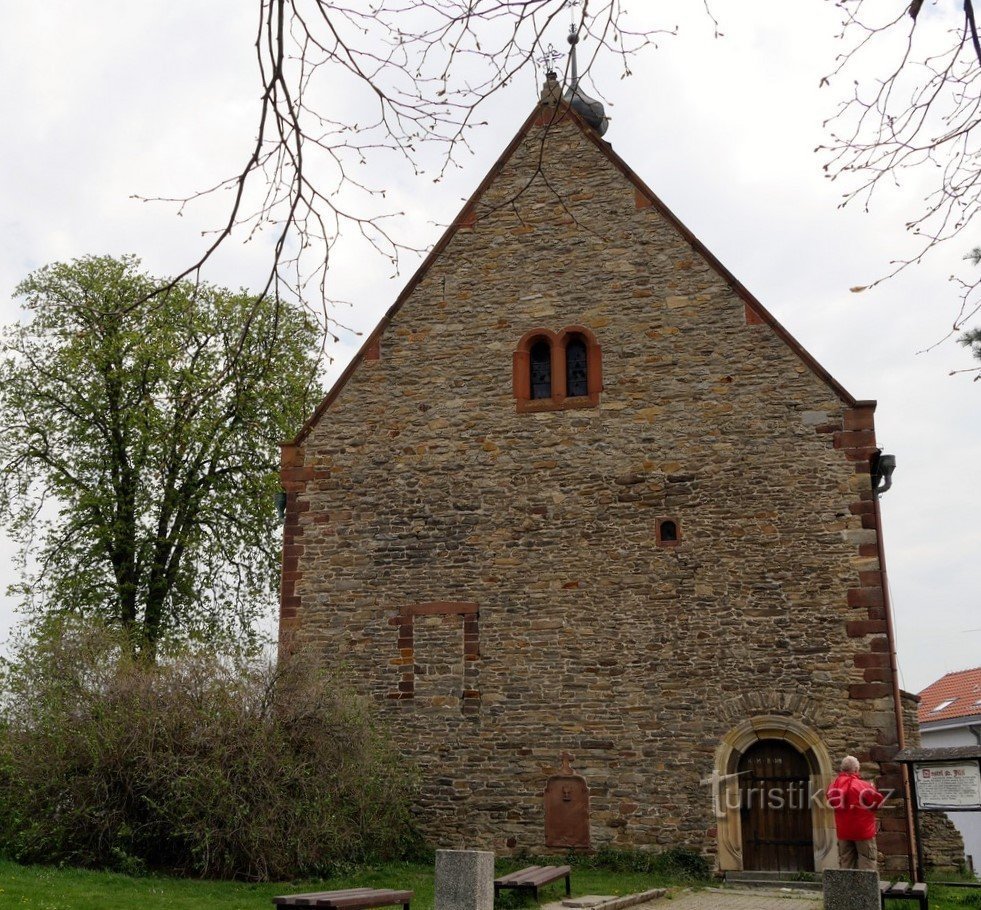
[[557, 370]]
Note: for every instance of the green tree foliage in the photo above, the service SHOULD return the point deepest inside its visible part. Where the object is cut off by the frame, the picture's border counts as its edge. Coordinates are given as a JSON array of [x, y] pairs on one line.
[[202, 764], [139, 454]]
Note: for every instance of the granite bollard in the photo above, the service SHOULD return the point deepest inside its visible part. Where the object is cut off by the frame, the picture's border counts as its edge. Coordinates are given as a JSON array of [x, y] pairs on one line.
[[851, 889], [464, 880]]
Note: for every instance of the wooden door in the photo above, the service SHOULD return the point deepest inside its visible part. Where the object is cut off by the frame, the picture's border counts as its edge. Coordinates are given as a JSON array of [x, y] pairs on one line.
[[775, 808]]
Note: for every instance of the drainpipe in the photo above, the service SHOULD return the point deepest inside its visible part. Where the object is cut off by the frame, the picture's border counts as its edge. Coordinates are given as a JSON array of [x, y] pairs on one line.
[[896, 697]]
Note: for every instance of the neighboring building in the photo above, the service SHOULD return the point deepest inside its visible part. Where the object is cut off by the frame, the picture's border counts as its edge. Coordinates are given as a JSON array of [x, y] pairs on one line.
[[950, 715], [581, 492]]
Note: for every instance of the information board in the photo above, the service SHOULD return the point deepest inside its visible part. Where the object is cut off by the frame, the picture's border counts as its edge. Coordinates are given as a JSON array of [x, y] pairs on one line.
[[953, 785]]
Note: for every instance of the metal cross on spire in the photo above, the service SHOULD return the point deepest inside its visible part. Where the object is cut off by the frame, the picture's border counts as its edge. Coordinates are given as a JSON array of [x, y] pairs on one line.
[[549, 59]]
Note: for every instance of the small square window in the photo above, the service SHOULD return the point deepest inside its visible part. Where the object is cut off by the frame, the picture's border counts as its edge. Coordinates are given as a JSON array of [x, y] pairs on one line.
[[668, 532]]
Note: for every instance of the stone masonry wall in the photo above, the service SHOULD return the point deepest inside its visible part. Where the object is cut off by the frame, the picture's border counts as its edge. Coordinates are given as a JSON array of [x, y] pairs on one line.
[[492, 577]]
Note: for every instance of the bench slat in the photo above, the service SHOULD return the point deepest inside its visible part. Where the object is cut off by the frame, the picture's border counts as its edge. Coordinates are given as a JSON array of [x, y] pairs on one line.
[[919, 889], [898, 889], [533, 876], [374, 899], [348, 899], [518, 877], [550, 874]]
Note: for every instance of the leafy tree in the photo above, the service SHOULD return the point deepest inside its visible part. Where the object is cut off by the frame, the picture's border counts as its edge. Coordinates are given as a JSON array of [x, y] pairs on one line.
[[138, 460]]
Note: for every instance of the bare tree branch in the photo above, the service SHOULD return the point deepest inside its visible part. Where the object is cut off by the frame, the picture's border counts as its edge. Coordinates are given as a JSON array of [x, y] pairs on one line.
[[920, 114], [344, 85]]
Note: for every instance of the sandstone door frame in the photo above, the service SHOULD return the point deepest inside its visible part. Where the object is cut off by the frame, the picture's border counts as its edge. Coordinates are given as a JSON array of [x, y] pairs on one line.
[[725, 783]]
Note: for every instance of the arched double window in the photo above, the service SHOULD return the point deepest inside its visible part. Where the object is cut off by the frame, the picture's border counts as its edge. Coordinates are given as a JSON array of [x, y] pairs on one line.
[[557, 370]]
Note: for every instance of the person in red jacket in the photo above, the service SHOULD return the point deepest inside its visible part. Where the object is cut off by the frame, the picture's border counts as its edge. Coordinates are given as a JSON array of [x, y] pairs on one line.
[[854, 801]]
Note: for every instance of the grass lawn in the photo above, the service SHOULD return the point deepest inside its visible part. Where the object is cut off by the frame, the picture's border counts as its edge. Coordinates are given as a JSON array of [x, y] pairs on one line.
[[49, 888], [945, 899]]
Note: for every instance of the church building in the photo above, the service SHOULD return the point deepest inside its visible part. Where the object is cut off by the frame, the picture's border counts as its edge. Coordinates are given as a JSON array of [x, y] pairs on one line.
[[598, 536]]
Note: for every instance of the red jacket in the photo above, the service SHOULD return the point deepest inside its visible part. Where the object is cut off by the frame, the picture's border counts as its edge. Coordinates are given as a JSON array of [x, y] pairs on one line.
[[854, 801]]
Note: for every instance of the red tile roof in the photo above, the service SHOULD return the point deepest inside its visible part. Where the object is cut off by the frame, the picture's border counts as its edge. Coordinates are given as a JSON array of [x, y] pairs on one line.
[[961, 689]]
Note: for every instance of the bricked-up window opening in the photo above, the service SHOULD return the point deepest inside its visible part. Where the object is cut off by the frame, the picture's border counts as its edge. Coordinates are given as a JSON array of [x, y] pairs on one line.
[[541, 370], [576, 369]]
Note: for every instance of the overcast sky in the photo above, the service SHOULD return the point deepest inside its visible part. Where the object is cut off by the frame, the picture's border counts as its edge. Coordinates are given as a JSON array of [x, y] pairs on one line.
[[109, 99]]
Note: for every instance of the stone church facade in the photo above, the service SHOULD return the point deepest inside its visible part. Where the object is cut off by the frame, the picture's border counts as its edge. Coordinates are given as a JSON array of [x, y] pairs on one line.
[[581, 493]]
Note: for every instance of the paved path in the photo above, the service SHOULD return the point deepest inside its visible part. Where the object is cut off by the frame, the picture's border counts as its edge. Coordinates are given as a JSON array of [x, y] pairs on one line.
[[738, 899]]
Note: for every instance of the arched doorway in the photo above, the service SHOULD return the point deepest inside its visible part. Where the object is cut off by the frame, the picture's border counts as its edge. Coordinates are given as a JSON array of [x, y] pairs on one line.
[[774, 808]]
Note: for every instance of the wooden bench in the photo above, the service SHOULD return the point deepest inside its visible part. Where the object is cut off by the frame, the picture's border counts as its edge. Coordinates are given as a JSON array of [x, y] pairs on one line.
[[534, 877], [904, 891], [350, 899]]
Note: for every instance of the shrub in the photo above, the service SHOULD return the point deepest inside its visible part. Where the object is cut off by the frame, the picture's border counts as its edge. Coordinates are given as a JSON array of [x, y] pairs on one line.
[[202, 764]]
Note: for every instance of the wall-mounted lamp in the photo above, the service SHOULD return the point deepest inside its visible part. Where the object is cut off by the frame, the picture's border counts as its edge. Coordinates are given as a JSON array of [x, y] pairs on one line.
[[882, 469], [281, 504]]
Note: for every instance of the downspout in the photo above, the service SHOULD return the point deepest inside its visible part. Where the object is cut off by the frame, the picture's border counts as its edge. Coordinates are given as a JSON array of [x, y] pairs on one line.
[[896, 697]]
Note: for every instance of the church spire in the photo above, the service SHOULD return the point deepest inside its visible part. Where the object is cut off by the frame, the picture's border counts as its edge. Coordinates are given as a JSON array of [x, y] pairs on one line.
[[589, 109]]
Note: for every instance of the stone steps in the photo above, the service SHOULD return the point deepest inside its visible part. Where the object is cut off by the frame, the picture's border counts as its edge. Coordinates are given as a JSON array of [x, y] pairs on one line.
[[797, 881]]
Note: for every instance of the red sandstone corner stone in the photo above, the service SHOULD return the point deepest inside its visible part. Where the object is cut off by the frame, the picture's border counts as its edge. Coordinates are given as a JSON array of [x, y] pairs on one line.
[[854, 439], [871, 660], [859, 419], [296, 475], [868, 690], [865, 597], [859, 628]]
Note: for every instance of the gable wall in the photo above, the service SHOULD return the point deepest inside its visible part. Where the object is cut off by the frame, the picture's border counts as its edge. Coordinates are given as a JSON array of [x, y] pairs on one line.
[[568, 629]]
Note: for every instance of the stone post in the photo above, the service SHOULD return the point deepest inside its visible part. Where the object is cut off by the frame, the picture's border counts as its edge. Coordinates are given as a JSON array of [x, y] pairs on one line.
[[851, 889], [464, 880]]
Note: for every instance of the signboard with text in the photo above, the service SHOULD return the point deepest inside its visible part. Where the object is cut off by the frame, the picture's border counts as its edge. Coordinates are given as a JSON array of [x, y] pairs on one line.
[[951, 785]]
